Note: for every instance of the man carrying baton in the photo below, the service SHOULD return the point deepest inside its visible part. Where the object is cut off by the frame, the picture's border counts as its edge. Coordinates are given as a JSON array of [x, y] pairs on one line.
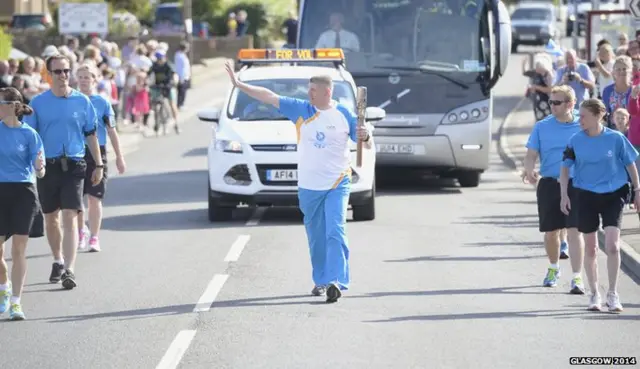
[[324, 128]]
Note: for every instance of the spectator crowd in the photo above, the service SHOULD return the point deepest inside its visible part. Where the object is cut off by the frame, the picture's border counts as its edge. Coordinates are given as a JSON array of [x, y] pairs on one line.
[[124, 74]]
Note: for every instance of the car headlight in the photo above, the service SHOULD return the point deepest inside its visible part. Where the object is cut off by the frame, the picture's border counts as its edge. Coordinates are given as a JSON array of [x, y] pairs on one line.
[[228, 146]]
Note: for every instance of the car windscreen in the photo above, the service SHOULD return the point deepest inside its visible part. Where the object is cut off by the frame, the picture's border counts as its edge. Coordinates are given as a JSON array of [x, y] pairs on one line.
[[245, 108], [531, 14]]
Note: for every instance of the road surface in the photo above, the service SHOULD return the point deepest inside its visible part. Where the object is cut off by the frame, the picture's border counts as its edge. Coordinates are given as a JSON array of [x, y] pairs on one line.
[[443, 278]]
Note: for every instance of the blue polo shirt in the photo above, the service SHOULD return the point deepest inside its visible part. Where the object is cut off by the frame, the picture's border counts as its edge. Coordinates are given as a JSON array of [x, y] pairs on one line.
[[19, 148], [549, 138], [106, 117], [63, 123], [600, 162]]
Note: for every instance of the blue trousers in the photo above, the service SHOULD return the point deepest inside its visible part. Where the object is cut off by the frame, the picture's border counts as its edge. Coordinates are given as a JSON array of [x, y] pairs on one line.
[[325, 217]]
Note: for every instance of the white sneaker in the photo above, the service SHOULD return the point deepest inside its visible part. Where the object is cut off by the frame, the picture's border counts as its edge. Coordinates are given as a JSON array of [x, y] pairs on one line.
[[83, 238], [595, 303], [613, 302]]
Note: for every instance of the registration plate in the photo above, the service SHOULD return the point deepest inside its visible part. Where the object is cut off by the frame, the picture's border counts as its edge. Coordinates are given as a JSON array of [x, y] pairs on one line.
[[528, 37], [275, 175], [396, 149]]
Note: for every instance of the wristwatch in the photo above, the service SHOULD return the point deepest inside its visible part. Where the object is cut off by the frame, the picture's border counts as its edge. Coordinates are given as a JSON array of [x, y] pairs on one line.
[[100, 166]]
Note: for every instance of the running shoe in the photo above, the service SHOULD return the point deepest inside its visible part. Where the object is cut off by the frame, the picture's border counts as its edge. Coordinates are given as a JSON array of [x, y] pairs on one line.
[[333, 293], [94, 244], [613, 302], [4, 299], [83, 237], [56, 273], [551, 279], [318, 291], [564, 250], [577, 288], [69, 280], [595, 304], [15, 313]]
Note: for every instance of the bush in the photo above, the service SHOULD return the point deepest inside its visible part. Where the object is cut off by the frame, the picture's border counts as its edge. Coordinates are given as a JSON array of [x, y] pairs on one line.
[[5, 44], [256, 15], [265, 26]]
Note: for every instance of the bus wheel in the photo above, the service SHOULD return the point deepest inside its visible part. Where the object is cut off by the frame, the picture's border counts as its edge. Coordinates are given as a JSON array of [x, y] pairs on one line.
[[469, 179]]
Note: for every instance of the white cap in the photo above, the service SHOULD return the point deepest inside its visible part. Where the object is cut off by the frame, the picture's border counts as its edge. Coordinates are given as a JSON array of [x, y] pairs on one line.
[[49, 51]]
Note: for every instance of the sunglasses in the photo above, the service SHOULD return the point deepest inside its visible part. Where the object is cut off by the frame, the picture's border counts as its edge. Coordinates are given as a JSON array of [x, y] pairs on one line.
[[557, 102], [60, 71]]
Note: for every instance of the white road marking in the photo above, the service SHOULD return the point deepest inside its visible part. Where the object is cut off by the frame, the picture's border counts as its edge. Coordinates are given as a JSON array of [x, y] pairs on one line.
[[210, 294], [256, 217], [176, 350], [504, 142], [237, 247]]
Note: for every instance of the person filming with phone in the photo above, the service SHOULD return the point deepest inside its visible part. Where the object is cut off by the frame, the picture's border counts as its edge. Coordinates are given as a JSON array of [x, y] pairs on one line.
[[576, 75]]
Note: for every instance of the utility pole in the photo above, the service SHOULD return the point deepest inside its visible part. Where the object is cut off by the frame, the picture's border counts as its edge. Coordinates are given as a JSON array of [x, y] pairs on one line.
[[576, 45], [188, 26]]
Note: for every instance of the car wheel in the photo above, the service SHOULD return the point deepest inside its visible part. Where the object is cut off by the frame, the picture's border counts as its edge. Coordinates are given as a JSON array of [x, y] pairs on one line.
[[469, 179], [219, 213], [366, 211]]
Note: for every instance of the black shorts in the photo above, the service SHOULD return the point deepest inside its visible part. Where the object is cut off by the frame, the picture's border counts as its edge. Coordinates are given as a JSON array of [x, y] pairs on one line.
[[60, 190], [20, 212], [98, 190], [609, 206], [550, 216]]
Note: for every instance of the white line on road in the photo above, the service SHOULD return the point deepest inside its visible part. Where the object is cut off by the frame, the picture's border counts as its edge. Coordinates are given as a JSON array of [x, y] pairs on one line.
[[504, 142], [176, 350], [255, 218], [210, 294], [237, 247]]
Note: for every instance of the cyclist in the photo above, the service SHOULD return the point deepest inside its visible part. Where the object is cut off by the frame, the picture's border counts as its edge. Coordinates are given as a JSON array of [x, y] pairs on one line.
[[164, 83]]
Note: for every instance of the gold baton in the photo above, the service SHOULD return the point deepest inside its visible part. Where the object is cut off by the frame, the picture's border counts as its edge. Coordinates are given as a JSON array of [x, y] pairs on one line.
[[361, 105]]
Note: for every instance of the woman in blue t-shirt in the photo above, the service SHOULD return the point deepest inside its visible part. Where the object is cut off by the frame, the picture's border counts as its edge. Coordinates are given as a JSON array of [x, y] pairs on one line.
[[601, 159], [21, 160]]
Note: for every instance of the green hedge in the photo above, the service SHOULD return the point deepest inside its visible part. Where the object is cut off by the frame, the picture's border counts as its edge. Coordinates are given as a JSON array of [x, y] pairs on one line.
[[5, 44]]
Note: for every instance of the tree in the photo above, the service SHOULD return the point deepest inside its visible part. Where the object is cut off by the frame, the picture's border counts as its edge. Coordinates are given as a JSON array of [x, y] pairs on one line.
[[140, 8]]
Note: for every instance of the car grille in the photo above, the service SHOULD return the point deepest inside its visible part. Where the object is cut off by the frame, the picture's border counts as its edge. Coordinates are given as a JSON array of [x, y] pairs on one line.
[[262, 174], [290, 147], [531, 30]]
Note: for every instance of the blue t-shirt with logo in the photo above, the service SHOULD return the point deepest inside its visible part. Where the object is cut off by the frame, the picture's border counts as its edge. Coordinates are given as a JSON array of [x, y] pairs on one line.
[[19, 148], [549, 138], [63, 123], [600, 161], [105, 115]]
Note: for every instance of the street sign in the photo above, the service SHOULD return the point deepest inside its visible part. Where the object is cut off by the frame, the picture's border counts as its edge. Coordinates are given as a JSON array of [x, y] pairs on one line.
[[83, 18], [634, 8]]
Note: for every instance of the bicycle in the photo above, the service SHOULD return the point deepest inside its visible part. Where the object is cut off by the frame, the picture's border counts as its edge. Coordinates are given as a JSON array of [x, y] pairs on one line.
[[161, 108]]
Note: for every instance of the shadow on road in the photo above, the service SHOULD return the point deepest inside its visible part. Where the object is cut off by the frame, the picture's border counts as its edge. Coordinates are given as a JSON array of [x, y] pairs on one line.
[[157, 188], [486, 244], [199, 151], [172, 221], [487, 315], [464, 258], [124, 315]]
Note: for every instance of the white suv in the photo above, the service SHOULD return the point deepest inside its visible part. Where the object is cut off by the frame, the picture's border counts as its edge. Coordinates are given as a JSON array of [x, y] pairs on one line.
[[253, 157]]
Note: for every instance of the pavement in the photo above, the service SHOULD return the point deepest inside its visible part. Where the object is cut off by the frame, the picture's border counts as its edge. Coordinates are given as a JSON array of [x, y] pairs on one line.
[[512, 147], [210, 73], [443, 278]]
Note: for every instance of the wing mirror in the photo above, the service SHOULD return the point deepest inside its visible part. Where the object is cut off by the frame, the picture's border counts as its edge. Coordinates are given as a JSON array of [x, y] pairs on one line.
[[374, 114], [209, 115]]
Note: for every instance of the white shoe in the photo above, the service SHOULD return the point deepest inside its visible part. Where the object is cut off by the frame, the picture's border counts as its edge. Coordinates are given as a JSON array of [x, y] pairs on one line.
[[595, 303], [613, 302], [83, 238]]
